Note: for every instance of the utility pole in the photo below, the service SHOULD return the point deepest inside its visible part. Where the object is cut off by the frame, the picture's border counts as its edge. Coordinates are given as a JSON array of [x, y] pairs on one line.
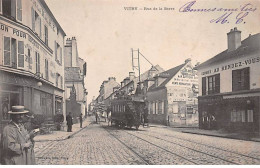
[[138, 67], [138, 62]]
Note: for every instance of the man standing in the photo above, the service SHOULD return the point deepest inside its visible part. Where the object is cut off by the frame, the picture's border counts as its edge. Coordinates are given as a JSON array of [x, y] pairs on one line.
[[69, 122], [16, 141], [80, 120]]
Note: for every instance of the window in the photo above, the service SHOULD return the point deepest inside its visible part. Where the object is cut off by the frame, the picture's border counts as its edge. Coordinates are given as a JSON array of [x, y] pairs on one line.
[[58, 53], [155, 109], [189, 110], [46, 69], [250, 116], [162, 107], [240, 79], [46, 35], [211, 84], [61, 82], [151, 107], [7, 51], [21, 54], [36, 22], [12, 9], [159, 107], [237, 115], [12, 52], [37, 63], [29, 59]]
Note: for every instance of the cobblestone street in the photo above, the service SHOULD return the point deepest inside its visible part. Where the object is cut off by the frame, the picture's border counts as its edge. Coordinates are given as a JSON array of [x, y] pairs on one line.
[[99, 144]]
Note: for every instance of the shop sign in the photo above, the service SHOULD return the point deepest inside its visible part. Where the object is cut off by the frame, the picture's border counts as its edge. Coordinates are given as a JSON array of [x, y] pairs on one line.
[[19, 33], [245, 62], [210, 99], [14, 79], [14, 31]]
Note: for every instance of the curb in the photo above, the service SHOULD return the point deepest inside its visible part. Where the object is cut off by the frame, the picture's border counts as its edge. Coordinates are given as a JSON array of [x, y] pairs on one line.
[[228, 137], [66, 137]]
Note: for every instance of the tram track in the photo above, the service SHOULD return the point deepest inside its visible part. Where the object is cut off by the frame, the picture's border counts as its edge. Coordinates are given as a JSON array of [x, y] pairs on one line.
[[230, 162], [124, 144], [157, 146], [257, 160], [233, 158], [209, 146]]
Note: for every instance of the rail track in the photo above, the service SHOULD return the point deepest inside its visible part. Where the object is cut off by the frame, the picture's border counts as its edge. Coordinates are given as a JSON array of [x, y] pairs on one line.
[[154, 138]]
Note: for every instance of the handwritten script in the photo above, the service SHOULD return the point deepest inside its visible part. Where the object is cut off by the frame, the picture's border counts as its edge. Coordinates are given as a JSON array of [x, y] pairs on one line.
[[243, 11], [237, 14]]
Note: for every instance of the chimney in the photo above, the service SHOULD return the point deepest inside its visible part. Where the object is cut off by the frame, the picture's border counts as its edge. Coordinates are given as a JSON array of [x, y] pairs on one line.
[[131, 75], [187, 60], [111, 79], [234, 39], [151, 72], [122, 84]]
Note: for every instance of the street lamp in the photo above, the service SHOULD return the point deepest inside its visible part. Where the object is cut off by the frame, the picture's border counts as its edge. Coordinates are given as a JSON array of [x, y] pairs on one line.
[[39, 84]]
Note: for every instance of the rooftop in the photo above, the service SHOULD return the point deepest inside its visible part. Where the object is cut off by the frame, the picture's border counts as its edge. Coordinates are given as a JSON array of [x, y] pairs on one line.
[[249, 45]]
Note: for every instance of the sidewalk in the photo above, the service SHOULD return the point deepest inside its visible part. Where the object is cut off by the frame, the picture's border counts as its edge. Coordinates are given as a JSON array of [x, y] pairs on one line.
[[215, 133], [63, 134]]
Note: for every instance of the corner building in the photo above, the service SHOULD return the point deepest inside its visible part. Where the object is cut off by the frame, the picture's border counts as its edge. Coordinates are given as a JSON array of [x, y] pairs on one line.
[[31, 59], [230, 86]]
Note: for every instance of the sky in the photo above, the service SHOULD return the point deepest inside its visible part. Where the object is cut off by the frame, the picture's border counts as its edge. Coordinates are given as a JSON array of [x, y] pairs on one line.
[[106, 32]]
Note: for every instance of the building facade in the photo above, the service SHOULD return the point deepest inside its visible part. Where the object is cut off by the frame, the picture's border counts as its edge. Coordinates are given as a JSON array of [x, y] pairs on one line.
[[229, 86], [172, 96], [31, 59], [75, 74]]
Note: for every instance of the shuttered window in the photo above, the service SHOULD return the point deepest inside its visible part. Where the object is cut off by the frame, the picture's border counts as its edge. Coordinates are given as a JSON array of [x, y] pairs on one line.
[[46, 69], [55, 46], [37, 63], [21, 54], [33, 19], [7, 51], [46, 35], [19, 10], [60, 55], [204, 86], [29, 59], [240, 79], [61, 82], [217, 85]]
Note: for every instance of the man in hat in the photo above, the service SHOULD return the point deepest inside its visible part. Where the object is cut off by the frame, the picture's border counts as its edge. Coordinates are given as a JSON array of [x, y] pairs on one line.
[[69, 122], [80, 120], [16, 141]]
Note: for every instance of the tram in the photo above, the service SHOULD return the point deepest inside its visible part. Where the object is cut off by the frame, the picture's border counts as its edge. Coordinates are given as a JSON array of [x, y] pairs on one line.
[[127, 111]]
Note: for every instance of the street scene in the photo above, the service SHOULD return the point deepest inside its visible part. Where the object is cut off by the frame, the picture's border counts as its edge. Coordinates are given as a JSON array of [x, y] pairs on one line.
[[133, 82], [156, 145]]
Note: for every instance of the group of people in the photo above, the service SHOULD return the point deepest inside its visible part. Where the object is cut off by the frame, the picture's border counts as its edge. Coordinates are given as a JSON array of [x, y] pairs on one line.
[[17, 140], [69, 120]]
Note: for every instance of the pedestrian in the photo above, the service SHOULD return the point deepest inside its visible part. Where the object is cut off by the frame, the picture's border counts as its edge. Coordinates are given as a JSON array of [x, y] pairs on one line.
[[80, 120], [17, 144], [69, 122]]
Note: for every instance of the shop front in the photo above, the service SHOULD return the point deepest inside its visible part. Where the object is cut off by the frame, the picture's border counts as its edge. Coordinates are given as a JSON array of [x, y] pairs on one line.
[[232, 113], [18, 89]]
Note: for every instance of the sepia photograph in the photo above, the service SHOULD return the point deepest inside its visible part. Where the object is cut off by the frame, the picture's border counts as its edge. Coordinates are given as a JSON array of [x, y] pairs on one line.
[[130, 82]]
